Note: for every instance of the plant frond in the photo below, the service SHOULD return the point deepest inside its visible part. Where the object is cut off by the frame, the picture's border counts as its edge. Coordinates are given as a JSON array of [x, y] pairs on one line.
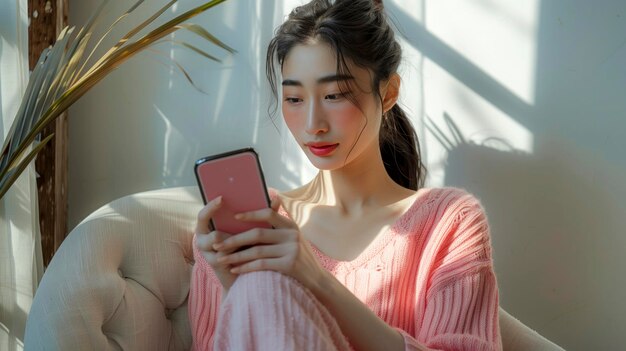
[[180, 68], [194, 28], [19, 118], [55, 83], [14, 173], [129, 35], [54, 66], [108, 31], [23, 118], [191, 47]]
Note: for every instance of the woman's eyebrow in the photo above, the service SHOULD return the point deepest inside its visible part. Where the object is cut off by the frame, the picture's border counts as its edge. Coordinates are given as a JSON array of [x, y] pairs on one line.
[[322, 80], [335, 78]]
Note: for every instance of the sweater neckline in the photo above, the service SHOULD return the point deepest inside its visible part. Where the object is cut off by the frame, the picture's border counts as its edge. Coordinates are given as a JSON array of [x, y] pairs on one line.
[[379, 242]]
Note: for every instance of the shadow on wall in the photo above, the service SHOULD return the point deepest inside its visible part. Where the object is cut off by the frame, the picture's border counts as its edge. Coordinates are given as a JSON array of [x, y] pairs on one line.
[[557, 231]]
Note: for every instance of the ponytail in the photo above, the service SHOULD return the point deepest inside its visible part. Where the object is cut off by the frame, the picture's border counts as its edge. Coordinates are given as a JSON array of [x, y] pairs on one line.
[[400, 149]]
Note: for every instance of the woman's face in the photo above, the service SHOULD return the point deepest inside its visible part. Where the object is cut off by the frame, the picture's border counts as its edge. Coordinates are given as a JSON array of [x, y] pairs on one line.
[[330, 128]]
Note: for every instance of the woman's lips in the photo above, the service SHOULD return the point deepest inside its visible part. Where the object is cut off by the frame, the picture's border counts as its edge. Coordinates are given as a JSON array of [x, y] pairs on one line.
[[322, 149]]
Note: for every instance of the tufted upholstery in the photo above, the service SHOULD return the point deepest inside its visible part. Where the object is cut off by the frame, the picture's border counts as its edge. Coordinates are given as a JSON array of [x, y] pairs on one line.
[[121, 278]]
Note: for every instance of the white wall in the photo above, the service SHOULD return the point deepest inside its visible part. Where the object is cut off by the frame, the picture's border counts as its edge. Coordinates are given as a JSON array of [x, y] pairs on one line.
[[520, 102]]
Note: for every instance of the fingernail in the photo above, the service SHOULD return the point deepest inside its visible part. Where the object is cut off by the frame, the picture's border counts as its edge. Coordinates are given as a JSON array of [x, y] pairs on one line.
[[217, 246], [238, 216], [222, 259], [217, 200]]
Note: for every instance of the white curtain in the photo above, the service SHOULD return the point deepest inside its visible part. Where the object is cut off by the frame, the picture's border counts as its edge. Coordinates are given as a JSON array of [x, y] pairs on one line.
[[21, 264]]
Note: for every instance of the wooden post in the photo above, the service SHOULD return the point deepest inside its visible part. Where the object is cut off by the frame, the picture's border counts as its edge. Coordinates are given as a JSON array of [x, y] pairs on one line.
[[47, 19]]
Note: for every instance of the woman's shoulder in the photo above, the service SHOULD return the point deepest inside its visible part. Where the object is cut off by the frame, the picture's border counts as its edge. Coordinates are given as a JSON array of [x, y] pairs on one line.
[[450, 196], [456, 219], [453, 202]]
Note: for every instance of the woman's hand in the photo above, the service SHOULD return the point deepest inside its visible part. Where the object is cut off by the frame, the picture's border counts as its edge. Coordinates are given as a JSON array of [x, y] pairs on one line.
[[205, 239], [282, 249]]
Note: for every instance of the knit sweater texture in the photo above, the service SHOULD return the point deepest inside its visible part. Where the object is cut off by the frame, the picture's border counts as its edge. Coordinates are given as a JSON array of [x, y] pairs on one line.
[[429, 275]]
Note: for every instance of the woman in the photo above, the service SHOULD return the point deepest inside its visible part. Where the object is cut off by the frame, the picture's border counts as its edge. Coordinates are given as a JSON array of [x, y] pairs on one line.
[[362, 257]]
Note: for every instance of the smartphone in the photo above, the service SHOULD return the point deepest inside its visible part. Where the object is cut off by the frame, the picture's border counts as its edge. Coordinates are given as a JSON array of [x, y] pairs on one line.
[[236, 176]]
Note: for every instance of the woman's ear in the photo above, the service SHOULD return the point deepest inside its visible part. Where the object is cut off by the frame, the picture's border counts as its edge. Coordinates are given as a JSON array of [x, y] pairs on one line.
[[390, 92]]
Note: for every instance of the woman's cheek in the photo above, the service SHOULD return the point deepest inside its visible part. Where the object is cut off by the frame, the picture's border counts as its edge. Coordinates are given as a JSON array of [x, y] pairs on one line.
[[291, 120], [347, 116]]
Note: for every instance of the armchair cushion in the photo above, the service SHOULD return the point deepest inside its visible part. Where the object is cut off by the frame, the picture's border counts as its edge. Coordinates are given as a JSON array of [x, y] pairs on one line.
[[120, 280]]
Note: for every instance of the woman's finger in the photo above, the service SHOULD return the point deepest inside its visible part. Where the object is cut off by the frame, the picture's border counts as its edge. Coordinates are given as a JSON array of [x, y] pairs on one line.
[[205, 242], [276, 203], [256, 236], [219, 238], [266, 264], [253, 253], [268, 215], [205, 214]]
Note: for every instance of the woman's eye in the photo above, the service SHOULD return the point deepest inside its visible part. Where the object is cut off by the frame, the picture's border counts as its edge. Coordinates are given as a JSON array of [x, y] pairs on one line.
[[293, 100], [335, 96]]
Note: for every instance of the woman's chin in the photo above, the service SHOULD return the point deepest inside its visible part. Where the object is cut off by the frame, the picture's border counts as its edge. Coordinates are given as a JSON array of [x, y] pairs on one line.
[[326, 163]]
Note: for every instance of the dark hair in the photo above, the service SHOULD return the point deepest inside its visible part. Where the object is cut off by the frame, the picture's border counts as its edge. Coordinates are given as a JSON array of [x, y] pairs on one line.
[[357, 30]]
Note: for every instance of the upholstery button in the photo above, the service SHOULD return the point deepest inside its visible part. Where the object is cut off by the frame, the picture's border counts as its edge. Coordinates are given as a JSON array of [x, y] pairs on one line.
[[119, 272]]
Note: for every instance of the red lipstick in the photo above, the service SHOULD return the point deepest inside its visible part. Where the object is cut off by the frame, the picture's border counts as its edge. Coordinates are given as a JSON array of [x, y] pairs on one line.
[[321, 149]]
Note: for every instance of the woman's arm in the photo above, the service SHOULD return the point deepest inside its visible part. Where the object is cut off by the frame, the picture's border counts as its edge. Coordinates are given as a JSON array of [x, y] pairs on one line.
[[363, 328], [458, 307]]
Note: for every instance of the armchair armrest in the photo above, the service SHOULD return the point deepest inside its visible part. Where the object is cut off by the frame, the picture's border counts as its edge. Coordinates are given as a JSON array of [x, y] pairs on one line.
[[120, 279]]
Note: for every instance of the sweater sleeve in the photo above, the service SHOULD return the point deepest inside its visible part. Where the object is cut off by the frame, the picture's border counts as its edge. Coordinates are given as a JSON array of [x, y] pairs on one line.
[[460, 309], [205, 295]]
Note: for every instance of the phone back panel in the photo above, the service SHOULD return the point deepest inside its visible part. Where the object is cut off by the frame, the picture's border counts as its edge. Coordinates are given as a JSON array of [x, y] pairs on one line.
[[239, 180]]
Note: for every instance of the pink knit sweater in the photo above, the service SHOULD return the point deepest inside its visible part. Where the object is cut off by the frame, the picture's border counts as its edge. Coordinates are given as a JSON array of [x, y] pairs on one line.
[[430, 276]]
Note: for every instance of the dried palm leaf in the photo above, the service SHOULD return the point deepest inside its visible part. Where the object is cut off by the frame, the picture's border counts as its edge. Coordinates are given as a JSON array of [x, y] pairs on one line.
[[59, 77]]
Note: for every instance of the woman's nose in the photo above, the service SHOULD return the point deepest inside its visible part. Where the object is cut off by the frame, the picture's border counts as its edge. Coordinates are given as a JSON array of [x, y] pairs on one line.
[[316, 122]]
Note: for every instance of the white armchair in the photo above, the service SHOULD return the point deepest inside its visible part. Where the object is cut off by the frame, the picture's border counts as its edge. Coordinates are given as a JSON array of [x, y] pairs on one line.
[[121, 278]]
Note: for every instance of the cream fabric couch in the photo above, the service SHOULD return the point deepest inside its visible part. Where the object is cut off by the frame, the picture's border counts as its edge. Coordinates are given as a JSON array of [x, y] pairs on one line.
[[121, 278]]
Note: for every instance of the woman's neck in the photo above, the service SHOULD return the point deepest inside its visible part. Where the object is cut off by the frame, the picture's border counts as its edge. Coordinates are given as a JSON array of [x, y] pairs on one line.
[[362, 184]]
